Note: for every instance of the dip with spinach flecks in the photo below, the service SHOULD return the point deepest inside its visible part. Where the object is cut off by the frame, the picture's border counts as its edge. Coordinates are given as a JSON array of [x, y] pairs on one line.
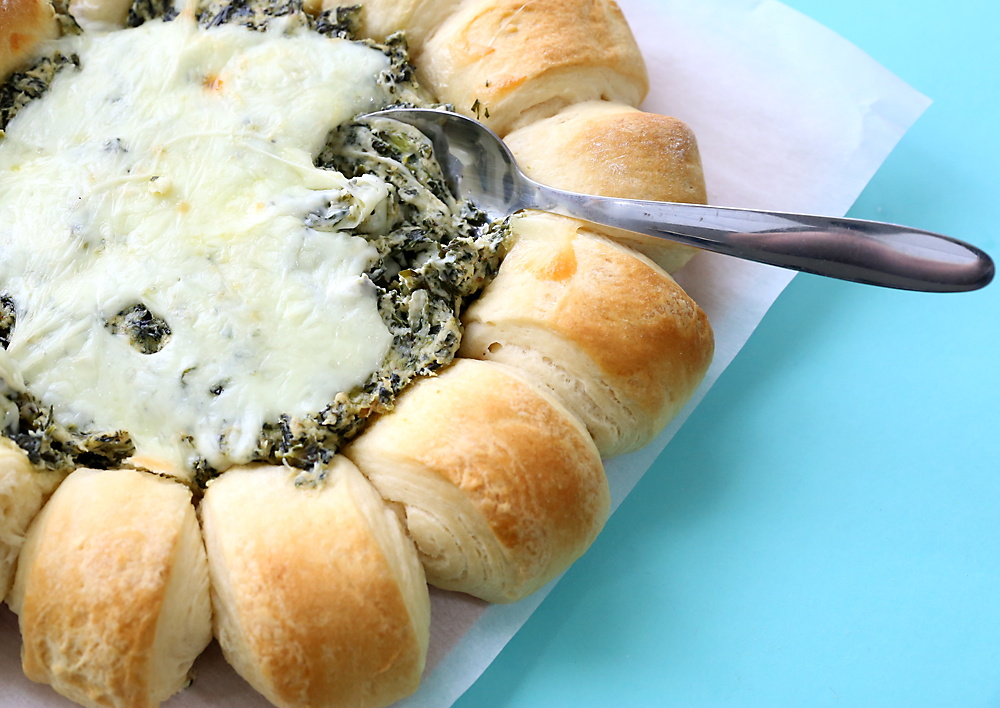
[[214, 261]]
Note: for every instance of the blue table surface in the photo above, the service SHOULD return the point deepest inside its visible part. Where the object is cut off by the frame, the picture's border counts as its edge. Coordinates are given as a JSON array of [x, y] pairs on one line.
[[825, 529]]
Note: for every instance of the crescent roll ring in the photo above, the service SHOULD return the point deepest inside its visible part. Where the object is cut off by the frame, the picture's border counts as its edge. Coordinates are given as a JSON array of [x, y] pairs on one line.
[[605, 329]]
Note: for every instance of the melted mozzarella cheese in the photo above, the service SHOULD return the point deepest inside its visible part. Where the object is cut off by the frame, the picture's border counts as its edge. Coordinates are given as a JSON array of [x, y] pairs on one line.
[[176, 170]]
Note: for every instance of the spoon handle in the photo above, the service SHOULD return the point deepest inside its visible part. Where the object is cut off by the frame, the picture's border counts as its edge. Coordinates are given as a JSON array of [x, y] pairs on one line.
[[849, 249]]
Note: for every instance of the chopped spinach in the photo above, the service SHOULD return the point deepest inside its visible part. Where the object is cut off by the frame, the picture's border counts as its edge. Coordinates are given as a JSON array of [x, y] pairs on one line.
[[143, 11], [146, 332]]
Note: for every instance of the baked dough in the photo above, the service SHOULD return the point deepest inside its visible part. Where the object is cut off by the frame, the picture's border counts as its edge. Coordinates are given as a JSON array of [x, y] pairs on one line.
[[502, 487], [510, 62], [319, 597], [609, 332], [112, 590], [380, 18], [23, 25], [618, 151], [23, 490]]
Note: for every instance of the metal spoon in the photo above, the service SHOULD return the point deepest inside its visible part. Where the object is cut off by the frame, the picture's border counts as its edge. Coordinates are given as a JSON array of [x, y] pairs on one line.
[[479, 167]]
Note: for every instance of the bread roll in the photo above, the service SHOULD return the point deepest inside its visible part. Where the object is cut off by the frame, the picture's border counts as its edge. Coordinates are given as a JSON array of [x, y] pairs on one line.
[[380, 18], [22, 492], [319, 597], [617, 151], [510, 62], [502, 487], [112, 590], [610, 333], [23, 24]]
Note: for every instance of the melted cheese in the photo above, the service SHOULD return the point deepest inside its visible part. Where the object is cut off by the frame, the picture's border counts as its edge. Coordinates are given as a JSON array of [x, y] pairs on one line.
[[176, 170]]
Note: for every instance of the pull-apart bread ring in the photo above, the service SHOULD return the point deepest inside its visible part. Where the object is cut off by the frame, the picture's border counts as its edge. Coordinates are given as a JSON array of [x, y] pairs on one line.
[[112, 590], [319, 597], [23, 25], [510, 62], [609, 332], [618, 151], [485, 478], [502, 487]]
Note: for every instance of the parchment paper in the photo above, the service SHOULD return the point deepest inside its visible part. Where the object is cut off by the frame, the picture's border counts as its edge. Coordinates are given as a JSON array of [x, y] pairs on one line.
[[790, 117]]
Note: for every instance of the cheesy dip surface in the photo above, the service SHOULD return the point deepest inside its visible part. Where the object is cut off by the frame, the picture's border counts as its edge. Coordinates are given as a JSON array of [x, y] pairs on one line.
[[195, 262]]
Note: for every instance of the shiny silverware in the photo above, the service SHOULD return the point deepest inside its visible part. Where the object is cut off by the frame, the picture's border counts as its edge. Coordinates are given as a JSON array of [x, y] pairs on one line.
[[479, 167]]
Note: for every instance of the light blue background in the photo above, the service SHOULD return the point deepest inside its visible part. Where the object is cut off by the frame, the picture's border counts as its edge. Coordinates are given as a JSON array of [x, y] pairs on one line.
[[825, 529]]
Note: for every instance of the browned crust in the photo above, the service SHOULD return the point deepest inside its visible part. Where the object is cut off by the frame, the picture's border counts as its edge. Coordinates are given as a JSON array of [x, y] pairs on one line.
[[607, 315], [527, 467], [23, 24], [308, 608], [526, 60], [94, 582], [519, 459]]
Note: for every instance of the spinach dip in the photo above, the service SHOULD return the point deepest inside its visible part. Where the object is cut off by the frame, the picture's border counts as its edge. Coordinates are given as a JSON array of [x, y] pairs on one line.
[[206, 257]]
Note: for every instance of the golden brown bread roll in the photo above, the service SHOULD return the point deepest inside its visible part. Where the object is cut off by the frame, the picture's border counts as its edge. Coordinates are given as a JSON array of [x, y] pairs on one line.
[[319, 597], [610, 333], [23, 24], [22, 492], [618, 151], [112, 590], [510, 62], [100, 14], [502, 487]]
